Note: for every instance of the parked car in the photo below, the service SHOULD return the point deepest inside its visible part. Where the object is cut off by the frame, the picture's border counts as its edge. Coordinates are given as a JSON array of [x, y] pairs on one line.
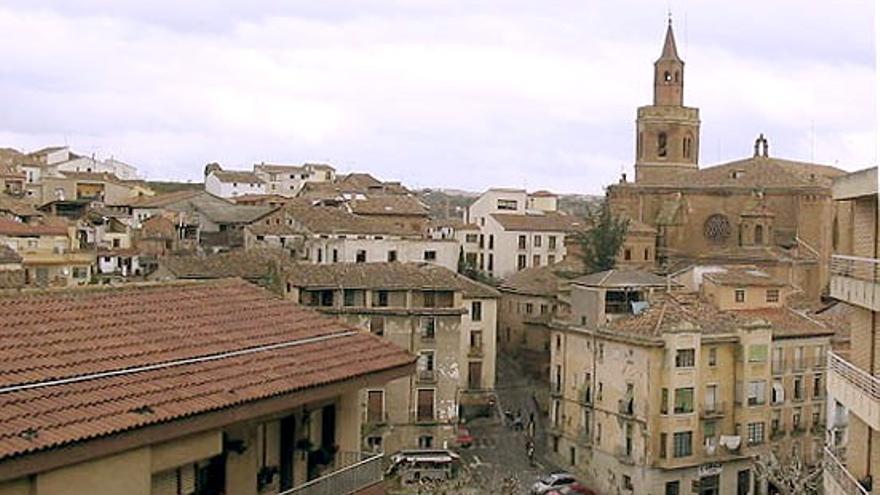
[[463, 438], [572, 489], [551, 482]]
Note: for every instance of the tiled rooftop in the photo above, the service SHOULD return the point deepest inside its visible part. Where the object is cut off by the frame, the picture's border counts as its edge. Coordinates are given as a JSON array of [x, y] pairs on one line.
[[73, 335], [548, 222]]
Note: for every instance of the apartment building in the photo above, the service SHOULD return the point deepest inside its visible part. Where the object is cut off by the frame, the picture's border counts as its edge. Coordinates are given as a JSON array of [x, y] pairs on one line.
[[288, 180], [654, 389], [49, 252], [329, 234], [185, 387], [447, 320], [231, 183], [530, 301], [519, 230], [852, 379]]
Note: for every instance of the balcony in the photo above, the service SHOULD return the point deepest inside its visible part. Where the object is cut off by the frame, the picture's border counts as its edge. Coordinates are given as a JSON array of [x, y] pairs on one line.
[[856, 281], [353, 473], [837, 480], [624, 455], [626, 407], [856, 389], [475, 350], [427, 376], [714, 410]]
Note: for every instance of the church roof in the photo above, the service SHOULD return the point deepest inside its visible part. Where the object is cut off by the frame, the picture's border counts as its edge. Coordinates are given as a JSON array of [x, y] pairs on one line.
[[758, 172]]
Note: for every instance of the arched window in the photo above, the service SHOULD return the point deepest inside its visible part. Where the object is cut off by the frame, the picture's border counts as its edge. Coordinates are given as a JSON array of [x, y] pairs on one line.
[[661, 144], [759, 234], [667, 76]]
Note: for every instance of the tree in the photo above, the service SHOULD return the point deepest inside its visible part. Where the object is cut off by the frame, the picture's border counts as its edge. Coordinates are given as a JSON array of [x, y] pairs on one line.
[[790, 478], [601, 242]]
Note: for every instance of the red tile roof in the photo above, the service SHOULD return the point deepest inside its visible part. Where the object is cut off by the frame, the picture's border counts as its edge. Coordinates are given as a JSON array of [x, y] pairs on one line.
[[72, 335], [548, 222], [13, 228]]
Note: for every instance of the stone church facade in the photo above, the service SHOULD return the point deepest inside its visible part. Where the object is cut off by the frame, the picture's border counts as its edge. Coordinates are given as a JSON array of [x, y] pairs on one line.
[[760, 210]]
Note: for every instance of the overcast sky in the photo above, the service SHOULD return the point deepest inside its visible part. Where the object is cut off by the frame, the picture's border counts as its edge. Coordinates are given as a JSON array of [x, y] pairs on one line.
[[443, 93]]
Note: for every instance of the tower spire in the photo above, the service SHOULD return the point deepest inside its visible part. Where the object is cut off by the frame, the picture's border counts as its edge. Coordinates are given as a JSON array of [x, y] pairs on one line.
[[670, 52]]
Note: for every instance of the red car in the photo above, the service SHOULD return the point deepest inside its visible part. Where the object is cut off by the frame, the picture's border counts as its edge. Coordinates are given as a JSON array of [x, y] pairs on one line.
[[463, 438]]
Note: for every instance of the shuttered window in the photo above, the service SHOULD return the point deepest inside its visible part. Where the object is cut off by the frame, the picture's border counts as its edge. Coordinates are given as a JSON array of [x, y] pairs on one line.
[[375, 398], [178, 481], [425, 405]]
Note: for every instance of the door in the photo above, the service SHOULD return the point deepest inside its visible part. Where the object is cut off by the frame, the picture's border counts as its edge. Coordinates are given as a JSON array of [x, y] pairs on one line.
[[288, 434], [475, 375], [328, 426]]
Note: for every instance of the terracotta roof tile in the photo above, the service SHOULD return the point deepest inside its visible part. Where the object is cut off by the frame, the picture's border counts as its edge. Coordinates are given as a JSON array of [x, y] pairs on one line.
[[743, 276], [543, 280], [13, 228], [74, 334], [390, 276], [237, 176]]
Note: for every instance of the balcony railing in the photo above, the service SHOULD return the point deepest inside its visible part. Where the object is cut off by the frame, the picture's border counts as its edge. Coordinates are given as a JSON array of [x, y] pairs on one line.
[[353, 472], [866, 383], [712, 410], [856, 280], [427, 376], [837, 472]]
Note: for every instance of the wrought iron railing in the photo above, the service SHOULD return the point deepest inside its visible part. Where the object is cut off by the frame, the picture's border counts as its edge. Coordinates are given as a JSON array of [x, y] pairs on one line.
[[353, 471], [838, 472]]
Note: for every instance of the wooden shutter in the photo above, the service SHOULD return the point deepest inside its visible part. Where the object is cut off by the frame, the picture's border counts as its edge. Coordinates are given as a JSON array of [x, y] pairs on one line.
[[374, 406], [425, 405]]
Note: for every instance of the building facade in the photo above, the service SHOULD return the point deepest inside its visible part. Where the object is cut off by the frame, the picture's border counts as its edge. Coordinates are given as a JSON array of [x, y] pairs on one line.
[[445, 319], [659, 391], [852, 379]]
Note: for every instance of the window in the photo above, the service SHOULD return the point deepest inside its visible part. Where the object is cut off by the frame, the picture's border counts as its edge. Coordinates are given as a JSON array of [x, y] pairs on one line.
[[759, 234], [663, 442], [627, 254], [757, 392], [536, 241], [476, 311], [743, 481], [672, 488], [684, 358], [664, 401], [470, 238], [739, 295], [430, 255], [506, 204], [773, 295], [491, 241], [551, 242], [817, 386], [647, 254], [360, 256], [520, 262], [521, 242], [798, 388], [536, 260], [682, 444], [348, 297], [529, 308], [429, 326], [377, 325], [381, 299], [80, 272], [392, 255], [755, 433], [627, 483], [817, 419], [429, 299], [713, 356], [425, 406], [426, 442], [491, 265], [551, 259], [661, 144], [758, 353], [426, 361], [684, 401], [375, 406]]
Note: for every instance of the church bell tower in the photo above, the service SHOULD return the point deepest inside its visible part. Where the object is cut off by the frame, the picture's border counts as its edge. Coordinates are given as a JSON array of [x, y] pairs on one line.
[[667, 132]]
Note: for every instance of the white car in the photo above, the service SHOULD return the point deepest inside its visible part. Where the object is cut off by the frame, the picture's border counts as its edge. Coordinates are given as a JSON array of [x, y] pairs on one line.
[[550, 482]]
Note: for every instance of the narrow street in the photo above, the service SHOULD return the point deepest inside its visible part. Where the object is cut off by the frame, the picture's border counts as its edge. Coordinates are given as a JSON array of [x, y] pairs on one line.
[[500, 452]]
